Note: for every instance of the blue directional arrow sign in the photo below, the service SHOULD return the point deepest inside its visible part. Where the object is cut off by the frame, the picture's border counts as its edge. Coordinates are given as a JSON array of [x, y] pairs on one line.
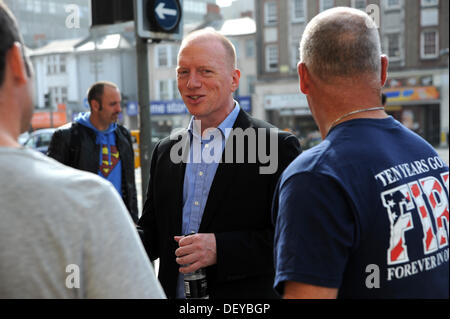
[[167, 14], [159, 19]]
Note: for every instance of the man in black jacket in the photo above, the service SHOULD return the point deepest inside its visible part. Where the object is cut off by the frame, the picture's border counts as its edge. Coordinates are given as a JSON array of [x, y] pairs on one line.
[[94, 142], [220, 186]]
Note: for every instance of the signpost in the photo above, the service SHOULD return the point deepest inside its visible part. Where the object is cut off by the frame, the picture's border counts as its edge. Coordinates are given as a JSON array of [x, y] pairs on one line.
[[155, 20]]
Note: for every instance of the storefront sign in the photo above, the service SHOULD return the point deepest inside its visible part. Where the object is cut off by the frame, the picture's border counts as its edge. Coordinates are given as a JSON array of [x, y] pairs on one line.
[[245, 102], [285, 101], [177, 107], [412, 94], [167, 107], [48, 119]]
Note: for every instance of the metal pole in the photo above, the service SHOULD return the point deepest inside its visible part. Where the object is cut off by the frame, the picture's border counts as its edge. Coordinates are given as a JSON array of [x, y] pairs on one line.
[[145, 134]]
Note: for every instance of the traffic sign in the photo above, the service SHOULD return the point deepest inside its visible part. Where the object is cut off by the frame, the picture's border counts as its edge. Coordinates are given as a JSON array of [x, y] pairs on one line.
[[159, 19], [167, 13]]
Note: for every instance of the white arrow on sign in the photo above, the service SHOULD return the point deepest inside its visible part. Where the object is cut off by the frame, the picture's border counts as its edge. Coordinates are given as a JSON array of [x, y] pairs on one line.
[[161, 11]]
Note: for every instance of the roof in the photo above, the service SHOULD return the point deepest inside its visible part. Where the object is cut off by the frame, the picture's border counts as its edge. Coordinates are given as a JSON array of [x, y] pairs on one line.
[[241, 26], [231, 27], [58, 46], [104, 42]]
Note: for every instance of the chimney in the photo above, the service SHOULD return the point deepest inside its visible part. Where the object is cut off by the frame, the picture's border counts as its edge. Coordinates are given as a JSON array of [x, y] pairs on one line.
[[212, 8], [212, 13], [247, 14]]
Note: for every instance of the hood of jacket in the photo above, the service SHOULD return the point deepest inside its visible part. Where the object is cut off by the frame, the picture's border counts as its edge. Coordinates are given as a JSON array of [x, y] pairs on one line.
[[105, 137]]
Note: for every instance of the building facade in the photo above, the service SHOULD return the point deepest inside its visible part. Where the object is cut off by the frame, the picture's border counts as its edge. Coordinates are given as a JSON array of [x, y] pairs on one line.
[[414, 34], [43, 21]]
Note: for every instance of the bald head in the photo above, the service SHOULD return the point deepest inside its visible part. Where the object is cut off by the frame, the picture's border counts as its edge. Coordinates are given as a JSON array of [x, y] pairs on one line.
[[341, 42], [208, 35]]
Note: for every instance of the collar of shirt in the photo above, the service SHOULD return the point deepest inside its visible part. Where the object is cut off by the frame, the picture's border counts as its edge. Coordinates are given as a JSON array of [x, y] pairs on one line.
[[227, 123]]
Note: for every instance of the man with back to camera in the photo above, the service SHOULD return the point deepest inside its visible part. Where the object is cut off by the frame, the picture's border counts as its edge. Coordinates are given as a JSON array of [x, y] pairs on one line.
[[59, 237], [97, 144], [227, 203], [365, 213]]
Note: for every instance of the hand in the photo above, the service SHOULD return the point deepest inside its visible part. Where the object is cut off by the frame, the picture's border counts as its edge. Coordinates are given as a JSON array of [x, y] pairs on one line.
[[196, 251]]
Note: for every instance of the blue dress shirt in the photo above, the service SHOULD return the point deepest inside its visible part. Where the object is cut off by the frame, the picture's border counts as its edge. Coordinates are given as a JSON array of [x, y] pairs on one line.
[[204, 157]]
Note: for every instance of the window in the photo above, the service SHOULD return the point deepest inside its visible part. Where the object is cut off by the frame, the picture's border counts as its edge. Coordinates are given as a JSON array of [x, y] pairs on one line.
[[62, 64], [250, 48], [271, 58], [298, 10], [166, 56], [295, 56], [251, 80], [37, 6], [167, 90], [393, 45], [175, 93], [162, 59], [174, 53], [429, 17], [270, 12], [194, 7], [30, 5], [95, 64], [270, 35], [429, 3], [163, 90], [359, 4], [52, 7], [63, 95], [429, 47], [49, 65], [326, 4], [392, 4]]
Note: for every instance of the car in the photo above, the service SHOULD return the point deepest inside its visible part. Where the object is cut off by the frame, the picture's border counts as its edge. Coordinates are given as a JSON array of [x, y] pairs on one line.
[[40, 139]]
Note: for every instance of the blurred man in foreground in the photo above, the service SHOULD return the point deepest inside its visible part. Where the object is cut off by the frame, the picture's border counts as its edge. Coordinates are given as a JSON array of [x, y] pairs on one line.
[[63, 233]]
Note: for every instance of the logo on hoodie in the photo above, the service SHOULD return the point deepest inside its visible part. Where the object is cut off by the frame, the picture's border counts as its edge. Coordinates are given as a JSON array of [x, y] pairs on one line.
[[109, 162]]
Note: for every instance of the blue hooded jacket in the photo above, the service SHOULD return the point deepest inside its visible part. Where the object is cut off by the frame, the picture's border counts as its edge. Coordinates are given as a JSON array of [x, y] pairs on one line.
[[110, 166]]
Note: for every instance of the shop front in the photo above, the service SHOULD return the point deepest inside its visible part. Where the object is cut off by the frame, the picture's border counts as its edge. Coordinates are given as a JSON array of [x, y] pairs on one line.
[[169, 116], [417, 107], [290, 112]]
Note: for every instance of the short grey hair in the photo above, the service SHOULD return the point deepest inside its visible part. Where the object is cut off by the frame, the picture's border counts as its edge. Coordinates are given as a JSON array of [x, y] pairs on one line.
[[341, 42]]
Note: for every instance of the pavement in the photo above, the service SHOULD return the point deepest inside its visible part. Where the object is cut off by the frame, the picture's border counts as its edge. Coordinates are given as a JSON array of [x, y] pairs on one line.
[[443, 153], [138, 180]]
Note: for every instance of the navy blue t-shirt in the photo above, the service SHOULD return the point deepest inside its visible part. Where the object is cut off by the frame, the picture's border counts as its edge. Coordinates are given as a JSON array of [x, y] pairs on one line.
[[365, 211]]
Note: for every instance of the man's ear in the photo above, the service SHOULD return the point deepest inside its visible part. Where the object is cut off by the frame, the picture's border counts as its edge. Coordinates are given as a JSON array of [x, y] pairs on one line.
[[14, 58], [384, 69], [94, 105], [236, 77], [303, 77]]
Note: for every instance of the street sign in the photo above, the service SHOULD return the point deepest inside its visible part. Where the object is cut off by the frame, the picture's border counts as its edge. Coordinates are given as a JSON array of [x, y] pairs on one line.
[[159, 19], [167, 13]]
